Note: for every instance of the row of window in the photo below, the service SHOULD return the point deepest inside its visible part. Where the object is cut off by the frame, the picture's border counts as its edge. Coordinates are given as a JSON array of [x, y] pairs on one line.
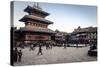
[[89, 36], [92, 35], [38, 25]]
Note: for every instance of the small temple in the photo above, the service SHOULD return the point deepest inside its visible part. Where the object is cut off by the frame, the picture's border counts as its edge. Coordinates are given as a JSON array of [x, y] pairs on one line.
[[36, 26]]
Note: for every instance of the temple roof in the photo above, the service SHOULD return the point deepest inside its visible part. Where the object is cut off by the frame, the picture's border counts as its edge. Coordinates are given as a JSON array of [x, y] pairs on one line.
[[35, 18], [40, 30], [37, 9]]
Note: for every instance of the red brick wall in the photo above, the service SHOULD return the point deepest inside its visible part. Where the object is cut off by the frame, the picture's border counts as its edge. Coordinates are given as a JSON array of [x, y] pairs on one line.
[[37, 37]]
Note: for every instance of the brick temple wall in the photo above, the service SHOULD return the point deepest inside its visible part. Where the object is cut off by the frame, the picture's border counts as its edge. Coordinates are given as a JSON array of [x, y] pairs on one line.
[[37, 37]]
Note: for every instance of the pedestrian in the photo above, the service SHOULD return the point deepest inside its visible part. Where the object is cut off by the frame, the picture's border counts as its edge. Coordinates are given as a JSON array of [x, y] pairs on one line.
[[64, 45], [31, 47], [47, 45], [40, 49], [51, 45], [19, 55], [15, 55], [34, 46]]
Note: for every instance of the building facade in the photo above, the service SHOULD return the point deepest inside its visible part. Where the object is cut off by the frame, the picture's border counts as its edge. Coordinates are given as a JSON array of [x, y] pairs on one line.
[[60, 37], [84, 35]]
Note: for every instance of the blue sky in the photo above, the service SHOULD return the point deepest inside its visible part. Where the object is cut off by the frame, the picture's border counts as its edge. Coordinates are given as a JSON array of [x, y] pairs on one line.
[[66, 17]]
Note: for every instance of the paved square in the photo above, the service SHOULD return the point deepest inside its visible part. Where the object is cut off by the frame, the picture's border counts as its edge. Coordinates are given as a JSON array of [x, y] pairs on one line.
[[55, 55]]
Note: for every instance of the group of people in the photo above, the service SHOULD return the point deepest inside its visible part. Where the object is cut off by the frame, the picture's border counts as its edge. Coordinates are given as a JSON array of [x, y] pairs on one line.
[[17, 55], [47, 44]]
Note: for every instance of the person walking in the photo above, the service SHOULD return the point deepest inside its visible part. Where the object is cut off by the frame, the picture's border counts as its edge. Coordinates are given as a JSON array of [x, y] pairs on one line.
[[40, 49], [19, 56], [15, 55], [65, 46]]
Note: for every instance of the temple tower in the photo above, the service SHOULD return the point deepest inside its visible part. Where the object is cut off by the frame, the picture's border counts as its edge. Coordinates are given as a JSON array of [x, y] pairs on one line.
[[36, 26]]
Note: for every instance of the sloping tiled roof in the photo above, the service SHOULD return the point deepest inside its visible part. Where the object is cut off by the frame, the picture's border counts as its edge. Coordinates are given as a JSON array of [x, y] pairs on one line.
[[42, 30], [32, 17], [88, 29], [29, 8]]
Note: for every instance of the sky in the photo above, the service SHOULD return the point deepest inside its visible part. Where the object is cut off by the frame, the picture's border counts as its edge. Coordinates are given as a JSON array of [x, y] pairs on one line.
[[65, 17]]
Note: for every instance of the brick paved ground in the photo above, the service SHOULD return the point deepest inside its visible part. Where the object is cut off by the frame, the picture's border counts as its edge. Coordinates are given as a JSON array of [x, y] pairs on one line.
[[55, 55]]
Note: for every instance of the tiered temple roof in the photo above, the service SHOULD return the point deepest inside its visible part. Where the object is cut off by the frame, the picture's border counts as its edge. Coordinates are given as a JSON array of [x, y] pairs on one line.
[[30, 9], [35, 15], [38, 30], [35, 18]]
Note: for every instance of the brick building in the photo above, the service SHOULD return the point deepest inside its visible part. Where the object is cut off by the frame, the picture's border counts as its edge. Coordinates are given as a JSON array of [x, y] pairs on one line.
[[84, 35]]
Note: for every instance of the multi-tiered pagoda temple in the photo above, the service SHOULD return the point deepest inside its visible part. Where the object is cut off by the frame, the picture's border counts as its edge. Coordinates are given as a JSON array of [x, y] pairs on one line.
[[36, 26]]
